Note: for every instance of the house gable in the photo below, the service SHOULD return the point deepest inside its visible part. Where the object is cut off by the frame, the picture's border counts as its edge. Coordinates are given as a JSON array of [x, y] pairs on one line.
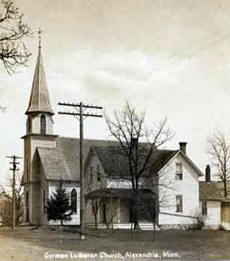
[[187, 159]]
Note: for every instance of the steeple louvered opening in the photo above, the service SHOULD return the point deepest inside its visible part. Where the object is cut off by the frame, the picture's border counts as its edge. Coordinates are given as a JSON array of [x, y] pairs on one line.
[[43, 124]]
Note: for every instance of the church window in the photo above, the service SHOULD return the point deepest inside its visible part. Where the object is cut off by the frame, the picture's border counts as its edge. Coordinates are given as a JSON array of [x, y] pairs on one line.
[[27, 206], [43, 124], [98, 173], [27, 169], [74, 201], [44, 201], [91, 175]]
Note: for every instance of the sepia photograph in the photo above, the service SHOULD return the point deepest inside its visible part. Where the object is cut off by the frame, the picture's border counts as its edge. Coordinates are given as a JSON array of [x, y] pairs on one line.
[[114, 130]]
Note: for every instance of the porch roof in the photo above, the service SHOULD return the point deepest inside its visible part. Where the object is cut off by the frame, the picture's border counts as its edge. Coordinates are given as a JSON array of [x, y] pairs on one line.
[[119, 193]]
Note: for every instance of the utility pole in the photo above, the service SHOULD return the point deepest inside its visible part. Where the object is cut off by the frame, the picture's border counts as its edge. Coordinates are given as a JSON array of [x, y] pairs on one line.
[[80, 114], [14, 168]]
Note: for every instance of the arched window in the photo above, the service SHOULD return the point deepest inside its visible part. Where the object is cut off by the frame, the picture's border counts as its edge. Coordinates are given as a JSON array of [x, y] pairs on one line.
[[74, 201], [44, 201], [43, 124], [27, 206]]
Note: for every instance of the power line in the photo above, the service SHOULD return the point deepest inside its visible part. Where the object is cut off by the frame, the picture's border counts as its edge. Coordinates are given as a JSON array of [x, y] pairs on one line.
[[14, 168], [80, 106]]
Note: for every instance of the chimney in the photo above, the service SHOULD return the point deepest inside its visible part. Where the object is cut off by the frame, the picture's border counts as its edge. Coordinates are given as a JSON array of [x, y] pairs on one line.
[[207, 174], [183, 147]]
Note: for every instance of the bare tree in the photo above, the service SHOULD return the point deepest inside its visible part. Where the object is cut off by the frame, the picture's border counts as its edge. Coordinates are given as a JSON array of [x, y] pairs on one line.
[[95, 211], [137, 143], [19, 193], [111, 211], [219, 150], [13, 30]]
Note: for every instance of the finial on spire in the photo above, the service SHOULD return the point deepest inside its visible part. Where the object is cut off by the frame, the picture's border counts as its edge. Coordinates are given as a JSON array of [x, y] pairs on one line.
[[39, 37]]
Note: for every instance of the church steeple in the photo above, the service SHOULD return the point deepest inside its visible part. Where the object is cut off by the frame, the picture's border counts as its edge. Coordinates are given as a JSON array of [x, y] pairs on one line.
[[39, 112], [39, 98]]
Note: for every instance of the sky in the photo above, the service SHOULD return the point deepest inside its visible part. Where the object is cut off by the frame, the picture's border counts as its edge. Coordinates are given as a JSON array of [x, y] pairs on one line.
[[168, 58]]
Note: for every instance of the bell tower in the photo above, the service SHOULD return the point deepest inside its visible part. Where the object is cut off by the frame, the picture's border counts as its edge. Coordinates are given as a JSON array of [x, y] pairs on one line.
[[39, 133]]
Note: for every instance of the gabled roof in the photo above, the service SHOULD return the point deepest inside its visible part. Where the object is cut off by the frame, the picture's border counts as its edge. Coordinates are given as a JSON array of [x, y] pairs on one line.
[[191, 163], [54, 164], [62, 162], [39, 98], [115, 163], [163, 157]]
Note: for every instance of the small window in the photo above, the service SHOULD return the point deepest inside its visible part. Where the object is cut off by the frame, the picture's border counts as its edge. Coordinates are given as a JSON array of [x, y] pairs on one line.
[[98, 173], [179, 204], [179, 172], [43, 124], [204, 208], [74, 201]]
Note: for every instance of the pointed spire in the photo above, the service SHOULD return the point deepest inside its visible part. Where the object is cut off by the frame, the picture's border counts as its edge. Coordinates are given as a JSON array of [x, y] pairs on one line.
[[39, 98], [39, 37]]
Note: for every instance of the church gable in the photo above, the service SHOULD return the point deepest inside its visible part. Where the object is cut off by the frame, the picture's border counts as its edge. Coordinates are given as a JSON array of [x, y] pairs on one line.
[[54, 165]]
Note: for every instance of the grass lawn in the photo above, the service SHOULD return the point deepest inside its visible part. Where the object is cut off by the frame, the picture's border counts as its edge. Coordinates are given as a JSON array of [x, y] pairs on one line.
[[27, 243]]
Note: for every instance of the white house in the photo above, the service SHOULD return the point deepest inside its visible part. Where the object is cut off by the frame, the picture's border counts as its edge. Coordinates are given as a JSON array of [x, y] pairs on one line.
[[214, 207], [177, 187]]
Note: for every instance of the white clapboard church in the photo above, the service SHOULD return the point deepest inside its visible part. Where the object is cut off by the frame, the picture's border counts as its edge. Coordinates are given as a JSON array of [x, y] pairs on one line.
[[49, 158]]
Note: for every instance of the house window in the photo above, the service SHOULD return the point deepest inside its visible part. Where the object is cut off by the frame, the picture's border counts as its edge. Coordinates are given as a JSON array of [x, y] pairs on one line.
[[98, 173], [74, 201], [44, 201], [179, 172], [43, 124], [204, 208], [179, 203]]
